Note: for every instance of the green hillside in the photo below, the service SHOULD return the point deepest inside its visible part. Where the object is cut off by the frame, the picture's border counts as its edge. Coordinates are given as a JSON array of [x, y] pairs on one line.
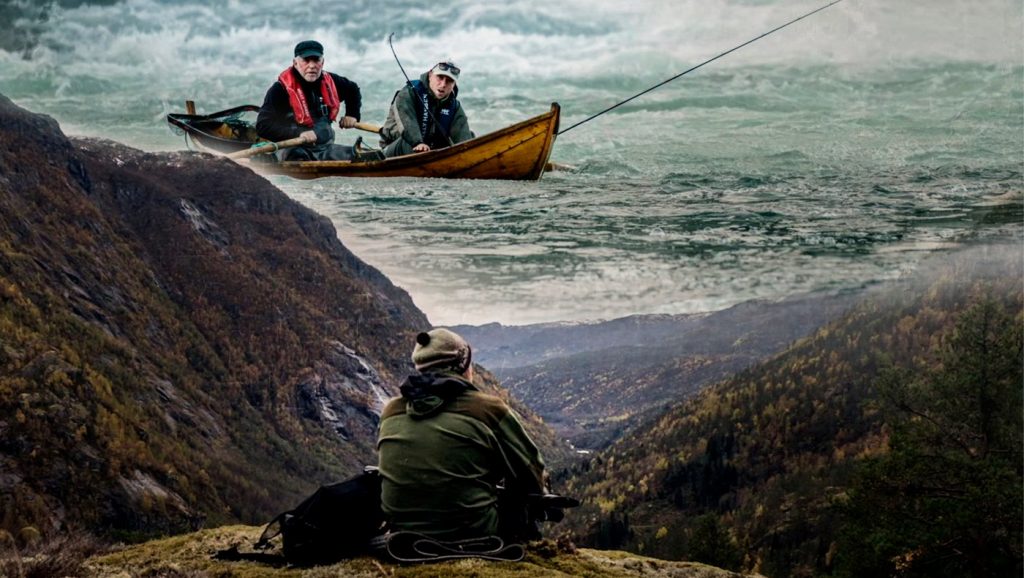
[[754, 472]]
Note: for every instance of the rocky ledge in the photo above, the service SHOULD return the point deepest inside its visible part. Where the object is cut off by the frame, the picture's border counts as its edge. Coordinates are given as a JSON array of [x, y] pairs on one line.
[[192, 556]]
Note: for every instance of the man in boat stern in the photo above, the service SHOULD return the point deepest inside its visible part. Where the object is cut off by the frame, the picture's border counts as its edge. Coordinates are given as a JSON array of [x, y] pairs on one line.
[[426, 114], [444, 447], [304, 102]]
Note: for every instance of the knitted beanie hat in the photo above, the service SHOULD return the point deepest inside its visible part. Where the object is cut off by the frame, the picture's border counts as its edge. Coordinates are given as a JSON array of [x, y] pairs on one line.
[[441, 349]]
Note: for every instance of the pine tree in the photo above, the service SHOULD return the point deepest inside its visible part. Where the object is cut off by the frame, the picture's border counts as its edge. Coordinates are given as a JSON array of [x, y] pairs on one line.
[[948, 499], [711, 544]]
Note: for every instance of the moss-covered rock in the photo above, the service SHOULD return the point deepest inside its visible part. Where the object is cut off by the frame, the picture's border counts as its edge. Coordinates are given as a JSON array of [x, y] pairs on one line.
[[191, 556]]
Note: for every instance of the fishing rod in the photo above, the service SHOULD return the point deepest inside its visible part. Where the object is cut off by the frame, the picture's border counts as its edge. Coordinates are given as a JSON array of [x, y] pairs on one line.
[[408, 84], [685, 72]]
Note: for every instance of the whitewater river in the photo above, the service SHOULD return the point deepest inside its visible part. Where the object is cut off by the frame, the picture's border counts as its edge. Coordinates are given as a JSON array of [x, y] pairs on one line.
[[833, 154]]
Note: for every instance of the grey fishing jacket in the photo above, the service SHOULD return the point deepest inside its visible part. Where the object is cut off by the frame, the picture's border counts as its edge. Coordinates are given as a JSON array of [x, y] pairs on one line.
[[403, 121]]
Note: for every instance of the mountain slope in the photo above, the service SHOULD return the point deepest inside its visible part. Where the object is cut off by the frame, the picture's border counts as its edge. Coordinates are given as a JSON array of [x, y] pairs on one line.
[[598, 380], [503, 347], [761, 455], [180, 342]]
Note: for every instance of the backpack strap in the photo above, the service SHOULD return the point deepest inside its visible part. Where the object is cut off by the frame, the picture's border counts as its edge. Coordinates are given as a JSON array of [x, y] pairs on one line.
[[416, 547], [272, 531]]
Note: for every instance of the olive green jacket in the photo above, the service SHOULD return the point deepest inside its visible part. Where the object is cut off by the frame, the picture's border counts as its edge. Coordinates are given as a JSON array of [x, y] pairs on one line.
[[444, 448], [403, 122]]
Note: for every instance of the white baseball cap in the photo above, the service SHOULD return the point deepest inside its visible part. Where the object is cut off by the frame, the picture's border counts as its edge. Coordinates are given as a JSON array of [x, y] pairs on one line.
[[447, 67]]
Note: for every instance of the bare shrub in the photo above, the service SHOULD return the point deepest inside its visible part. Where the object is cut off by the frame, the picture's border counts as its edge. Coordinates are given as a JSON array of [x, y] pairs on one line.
[[61, 556]]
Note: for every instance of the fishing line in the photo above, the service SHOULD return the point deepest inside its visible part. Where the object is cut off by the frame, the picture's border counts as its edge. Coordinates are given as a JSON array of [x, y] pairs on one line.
[[664, 82], [400, 67], [408, 84]]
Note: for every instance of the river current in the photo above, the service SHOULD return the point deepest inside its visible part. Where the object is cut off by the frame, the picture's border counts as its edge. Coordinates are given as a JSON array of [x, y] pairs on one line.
[[834, 154]]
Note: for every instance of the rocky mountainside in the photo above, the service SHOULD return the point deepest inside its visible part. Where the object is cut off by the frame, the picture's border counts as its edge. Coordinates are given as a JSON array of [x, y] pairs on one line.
[[760, 470], [180, 343], [592, 382]]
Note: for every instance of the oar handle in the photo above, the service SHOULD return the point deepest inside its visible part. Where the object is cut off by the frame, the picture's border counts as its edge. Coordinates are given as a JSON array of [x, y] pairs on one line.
[[273, 146], [368, 127], [267, 148]]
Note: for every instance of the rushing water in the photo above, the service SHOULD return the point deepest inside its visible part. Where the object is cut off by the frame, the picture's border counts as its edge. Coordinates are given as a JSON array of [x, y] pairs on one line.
[[832, 154]]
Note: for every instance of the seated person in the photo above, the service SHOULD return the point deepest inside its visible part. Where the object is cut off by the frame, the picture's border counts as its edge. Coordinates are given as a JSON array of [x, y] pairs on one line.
[[445, 447], [303, 102], [425, 114]]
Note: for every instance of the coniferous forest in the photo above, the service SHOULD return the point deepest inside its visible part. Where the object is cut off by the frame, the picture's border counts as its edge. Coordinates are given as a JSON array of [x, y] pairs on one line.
[[888, 443]]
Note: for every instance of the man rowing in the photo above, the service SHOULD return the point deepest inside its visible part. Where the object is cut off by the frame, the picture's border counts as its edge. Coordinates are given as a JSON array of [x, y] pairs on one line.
[[304, 102]]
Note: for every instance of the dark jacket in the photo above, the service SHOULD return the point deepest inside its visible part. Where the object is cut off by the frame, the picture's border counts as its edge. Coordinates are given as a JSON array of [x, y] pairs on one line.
[[403, 120], [444, 447], [276, 120]]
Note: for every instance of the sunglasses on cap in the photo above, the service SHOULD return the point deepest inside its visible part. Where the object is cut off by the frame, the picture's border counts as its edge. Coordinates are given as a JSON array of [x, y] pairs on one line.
[[448, 67], [312, 58]]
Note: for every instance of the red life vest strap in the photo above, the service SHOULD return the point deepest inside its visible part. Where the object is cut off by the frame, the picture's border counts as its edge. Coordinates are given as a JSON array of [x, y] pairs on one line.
[[297, 98]]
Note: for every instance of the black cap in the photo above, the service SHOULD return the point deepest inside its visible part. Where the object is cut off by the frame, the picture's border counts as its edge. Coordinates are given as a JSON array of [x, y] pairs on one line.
[[309, 48]]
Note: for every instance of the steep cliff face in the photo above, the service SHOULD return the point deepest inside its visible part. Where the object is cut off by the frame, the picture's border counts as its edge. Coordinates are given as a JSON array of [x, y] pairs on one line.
[[179, 341]]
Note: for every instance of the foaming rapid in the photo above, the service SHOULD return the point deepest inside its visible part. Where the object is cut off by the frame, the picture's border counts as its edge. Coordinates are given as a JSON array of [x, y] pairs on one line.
[[831, 155], [128, 63]]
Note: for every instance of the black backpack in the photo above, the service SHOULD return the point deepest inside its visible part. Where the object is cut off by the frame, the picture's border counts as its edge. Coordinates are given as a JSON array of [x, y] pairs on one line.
[[335, 523]]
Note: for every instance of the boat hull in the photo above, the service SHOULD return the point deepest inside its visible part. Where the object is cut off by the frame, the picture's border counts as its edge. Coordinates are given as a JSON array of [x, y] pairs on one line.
[[517, 152]]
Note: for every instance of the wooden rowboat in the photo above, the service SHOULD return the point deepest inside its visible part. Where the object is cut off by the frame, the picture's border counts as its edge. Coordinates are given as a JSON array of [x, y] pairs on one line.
[[517, 152]]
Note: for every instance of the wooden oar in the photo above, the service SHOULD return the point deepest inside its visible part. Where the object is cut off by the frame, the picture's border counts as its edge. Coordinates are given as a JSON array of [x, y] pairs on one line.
[[274, 146], [267, 148], [368, 127]]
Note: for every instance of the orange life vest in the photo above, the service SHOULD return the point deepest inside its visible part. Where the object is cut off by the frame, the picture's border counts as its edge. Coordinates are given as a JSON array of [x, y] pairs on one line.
[[297, 98]]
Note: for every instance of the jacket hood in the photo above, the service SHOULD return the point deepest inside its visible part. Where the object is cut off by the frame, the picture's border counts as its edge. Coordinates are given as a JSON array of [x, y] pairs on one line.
[[425, 79], [425, 394]]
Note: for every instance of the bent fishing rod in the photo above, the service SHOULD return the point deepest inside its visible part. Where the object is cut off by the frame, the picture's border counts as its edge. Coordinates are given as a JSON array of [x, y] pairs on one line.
[[408, 84], [685, 72]]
